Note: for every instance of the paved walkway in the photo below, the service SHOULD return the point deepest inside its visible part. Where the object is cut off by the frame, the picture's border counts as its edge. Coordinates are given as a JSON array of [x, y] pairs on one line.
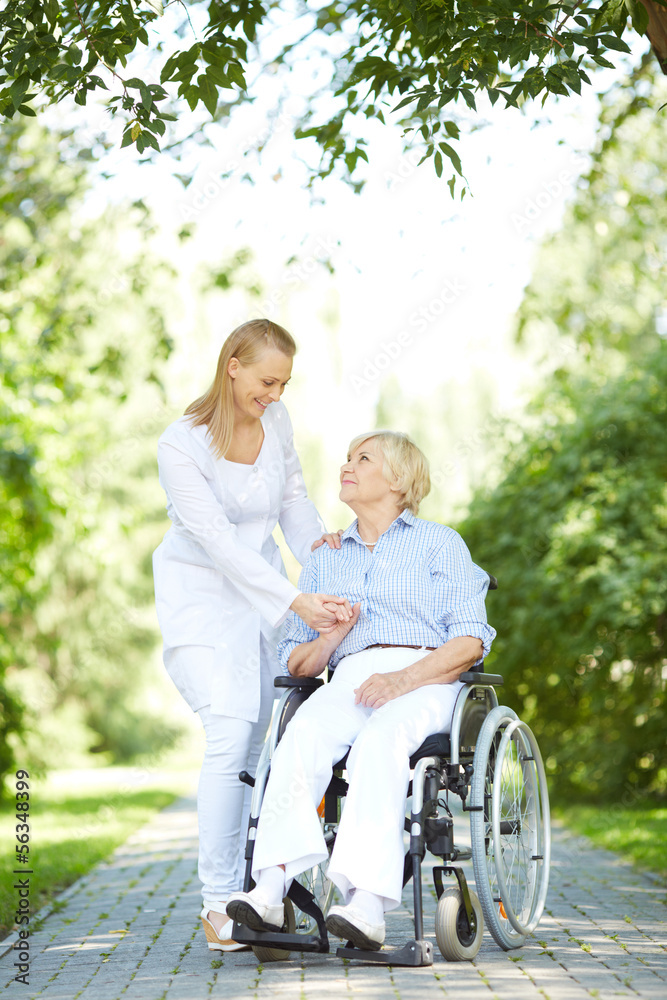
[[130, 930]]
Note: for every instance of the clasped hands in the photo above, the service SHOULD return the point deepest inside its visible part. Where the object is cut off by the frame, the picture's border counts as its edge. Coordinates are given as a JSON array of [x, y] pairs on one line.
[[377, 689]]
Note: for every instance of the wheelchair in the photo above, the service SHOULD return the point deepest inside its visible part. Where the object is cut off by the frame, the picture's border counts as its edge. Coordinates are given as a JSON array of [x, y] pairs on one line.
[[491, 761]]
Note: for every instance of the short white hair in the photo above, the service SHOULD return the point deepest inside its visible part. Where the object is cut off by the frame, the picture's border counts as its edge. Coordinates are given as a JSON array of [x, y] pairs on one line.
[[405, 465]]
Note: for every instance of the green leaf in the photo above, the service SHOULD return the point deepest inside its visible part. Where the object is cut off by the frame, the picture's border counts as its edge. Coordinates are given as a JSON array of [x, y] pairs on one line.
[[237, 75], [19, 88], [469, 98], [191, 94], [208, 93], [404, 103], [52, 10], [150, 140], [612, 42], [218, 76], [169, 67], [146, 97], [453, 156], [24, 109], [639, 15], [437, 160]]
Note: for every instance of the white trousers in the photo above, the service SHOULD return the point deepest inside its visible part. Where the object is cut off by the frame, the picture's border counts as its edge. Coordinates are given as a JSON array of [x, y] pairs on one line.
[[368, 853], [223, 802]]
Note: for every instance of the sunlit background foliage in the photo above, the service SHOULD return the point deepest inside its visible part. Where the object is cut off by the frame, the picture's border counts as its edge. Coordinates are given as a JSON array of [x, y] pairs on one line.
[[83, 339], [570, 516]]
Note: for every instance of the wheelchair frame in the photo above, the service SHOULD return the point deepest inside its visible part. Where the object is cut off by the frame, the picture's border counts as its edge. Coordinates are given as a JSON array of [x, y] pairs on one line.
[[490, 757]]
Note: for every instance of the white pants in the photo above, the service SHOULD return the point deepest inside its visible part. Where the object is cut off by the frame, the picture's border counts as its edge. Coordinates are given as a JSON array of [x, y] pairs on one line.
[[368, 853], [223, 802]]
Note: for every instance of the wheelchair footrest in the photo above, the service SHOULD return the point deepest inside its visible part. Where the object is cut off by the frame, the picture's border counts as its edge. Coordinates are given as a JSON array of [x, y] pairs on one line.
[[412, 953], [288, 942]]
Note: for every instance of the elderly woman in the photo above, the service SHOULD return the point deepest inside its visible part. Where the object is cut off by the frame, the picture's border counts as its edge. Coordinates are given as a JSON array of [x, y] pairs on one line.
[[418, 622]]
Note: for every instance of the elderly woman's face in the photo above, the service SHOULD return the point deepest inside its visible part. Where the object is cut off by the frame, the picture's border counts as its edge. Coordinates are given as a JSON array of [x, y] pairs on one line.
[[361, 476]]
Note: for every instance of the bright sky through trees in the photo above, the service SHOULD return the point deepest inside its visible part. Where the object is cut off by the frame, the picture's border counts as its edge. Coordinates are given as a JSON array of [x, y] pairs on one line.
[[424, 287]]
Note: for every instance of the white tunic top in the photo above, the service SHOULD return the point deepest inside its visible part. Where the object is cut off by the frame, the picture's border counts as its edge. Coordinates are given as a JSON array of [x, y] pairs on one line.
[[219, 576]]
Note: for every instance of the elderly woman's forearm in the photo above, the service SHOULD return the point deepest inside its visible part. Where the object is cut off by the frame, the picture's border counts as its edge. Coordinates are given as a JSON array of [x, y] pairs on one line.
[[446, 663], [310, 658]]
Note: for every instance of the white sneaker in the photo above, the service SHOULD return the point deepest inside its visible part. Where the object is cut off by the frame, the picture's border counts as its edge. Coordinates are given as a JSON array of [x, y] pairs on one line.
[[351, 925], [245, 908]]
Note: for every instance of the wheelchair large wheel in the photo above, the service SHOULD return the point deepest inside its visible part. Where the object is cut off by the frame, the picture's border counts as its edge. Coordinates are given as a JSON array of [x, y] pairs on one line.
[[509, 822], [456, 941], [264, 954]]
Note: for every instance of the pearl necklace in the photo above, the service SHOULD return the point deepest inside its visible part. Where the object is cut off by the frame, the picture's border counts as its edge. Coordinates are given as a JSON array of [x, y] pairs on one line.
[[369, 544]]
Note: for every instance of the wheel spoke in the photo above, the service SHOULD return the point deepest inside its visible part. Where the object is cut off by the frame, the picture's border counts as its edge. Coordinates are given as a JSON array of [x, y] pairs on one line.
[[512, 830]]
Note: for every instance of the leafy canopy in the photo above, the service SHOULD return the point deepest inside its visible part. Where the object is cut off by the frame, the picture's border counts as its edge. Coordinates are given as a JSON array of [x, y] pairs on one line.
[[83, 339], [418, 58], [575, 530]]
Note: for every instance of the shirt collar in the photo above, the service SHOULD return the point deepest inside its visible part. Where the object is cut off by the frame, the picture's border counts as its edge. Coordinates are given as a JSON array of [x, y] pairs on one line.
[[405, 517]]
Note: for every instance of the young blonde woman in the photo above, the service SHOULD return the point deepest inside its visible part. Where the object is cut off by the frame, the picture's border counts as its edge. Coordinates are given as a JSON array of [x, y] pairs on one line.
[[231, 473]]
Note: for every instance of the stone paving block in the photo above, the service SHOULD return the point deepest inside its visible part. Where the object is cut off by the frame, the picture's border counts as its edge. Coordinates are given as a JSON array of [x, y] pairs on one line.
[[591, 894]]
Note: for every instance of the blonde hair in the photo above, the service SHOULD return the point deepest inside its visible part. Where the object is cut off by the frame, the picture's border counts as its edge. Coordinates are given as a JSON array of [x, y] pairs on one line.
[[404, 464], [246, 343]]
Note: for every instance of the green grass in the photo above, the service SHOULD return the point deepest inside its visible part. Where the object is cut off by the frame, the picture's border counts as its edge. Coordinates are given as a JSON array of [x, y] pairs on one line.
[[638, 833], [77, 819]]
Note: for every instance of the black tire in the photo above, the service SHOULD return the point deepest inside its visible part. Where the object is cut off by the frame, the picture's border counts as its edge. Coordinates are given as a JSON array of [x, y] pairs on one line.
[[264, 954], [509, 825]]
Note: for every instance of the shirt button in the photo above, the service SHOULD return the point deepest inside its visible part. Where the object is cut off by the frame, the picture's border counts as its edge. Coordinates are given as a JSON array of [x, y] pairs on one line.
[[254, 468]]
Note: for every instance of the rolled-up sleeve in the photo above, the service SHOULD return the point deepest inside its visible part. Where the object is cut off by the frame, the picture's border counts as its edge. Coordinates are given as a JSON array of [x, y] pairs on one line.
[[295, 630], [460, 589]]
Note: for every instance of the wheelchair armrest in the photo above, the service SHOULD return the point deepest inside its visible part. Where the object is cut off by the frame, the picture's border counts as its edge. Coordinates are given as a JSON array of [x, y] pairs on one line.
[[477, 677], [306, 683]]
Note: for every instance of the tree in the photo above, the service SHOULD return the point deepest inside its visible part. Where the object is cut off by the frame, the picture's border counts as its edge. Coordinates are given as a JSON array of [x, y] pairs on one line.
[[575, 533], [82, 341], [414, 57], [575, 529], [609, 256]]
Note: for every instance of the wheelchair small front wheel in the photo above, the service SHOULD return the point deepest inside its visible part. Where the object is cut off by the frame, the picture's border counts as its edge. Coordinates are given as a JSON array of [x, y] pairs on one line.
[[457, 941], [264, 954]]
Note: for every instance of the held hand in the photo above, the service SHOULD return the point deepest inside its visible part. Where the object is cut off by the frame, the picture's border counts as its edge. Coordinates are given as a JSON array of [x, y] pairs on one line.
[[341, 629], [331, 538], [322, 612], [378, 689]]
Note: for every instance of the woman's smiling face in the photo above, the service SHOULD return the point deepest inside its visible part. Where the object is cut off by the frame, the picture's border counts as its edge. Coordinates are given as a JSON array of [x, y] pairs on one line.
[[361, 477], [256, 386]]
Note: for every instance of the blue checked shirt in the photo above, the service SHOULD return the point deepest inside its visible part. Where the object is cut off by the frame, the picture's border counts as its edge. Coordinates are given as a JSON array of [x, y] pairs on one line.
[[418, 587]]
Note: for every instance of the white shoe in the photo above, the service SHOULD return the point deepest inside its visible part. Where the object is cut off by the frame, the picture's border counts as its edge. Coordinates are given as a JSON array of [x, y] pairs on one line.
[[246, 909], [347, 923], [222, 941]]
